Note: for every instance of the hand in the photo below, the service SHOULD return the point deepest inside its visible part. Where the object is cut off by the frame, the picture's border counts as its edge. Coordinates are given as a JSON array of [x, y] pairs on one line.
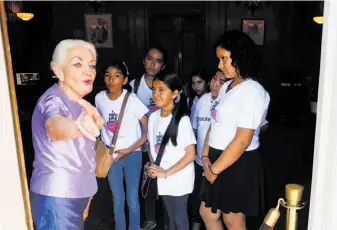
[[92, 112], [150, 172], [121, 153], [210, 176], [206, 163], [157, 171], [87, 126], [89, 122], [86, 210], [85, 214]]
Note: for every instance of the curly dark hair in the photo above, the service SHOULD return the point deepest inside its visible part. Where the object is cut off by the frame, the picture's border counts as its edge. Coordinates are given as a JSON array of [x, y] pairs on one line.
[[243, 52]]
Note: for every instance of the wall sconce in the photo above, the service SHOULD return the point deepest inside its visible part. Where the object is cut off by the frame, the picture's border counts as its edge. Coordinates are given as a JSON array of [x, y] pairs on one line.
[[25, 16], [13, 12], [320, 8], [318, 19]]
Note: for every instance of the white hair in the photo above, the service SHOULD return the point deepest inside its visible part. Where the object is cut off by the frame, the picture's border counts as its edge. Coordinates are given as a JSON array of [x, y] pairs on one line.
[[62, 47]]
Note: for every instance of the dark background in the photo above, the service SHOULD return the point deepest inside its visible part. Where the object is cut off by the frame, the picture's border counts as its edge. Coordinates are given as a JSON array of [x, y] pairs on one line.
[[290, 54]]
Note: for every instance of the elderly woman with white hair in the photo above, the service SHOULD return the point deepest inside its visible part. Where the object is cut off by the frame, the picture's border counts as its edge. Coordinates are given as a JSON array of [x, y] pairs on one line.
[[64, 128]]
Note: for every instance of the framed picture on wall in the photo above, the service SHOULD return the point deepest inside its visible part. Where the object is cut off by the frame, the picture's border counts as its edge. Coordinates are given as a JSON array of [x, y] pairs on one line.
[[255, 28], [98, 29]]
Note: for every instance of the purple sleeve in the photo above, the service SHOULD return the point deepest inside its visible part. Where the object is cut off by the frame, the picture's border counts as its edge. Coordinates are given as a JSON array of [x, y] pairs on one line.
[[52, 106]]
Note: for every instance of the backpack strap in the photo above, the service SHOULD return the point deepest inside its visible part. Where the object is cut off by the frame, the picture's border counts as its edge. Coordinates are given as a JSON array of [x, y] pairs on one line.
[[136, 85]]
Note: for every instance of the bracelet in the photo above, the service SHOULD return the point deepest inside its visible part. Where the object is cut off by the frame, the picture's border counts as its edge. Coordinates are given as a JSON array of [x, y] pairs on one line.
[[204, 156], [210, 169]]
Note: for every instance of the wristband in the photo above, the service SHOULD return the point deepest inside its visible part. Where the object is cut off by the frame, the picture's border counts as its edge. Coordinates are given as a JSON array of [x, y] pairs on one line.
[[210, 168]]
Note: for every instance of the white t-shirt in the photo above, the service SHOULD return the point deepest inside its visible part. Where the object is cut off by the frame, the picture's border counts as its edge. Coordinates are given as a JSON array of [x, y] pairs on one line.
[[194, 106], [182, 182], [144, 94], [201, 121], [130, 131], [244, 106]]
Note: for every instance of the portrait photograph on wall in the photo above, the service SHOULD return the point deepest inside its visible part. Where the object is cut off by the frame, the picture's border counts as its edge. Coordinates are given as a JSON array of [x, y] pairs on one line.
[[98, 29], [255, 29]]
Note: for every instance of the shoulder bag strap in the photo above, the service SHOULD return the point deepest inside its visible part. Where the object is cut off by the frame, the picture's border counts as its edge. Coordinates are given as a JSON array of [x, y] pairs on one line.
[[119, 121], [160, 155], [160, 152]]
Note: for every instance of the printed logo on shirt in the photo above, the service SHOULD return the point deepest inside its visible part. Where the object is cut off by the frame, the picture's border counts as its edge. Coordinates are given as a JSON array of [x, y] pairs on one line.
[[152, 106], [112, 123], [159, 139], [203, 119], [213, 109]]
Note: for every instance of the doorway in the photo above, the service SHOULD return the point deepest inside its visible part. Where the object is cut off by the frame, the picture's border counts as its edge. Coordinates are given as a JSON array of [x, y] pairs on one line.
[[183, 38]]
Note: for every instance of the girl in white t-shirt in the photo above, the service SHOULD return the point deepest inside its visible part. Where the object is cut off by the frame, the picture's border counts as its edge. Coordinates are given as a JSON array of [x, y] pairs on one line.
[[199, 83], [154, 62], [201, 121], [171, 128], [127, 150], [233, 185]]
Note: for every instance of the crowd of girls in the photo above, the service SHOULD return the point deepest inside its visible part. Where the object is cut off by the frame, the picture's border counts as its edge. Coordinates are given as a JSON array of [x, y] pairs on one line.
[[208, 146]]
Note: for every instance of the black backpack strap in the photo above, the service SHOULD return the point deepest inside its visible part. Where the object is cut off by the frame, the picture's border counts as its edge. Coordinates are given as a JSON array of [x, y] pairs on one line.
[[136, 85], [160, 155]]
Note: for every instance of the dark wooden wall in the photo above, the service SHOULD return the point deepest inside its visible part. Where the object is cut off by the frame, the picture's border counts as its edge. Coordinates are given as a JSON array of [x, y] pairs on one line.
[[290, 53]]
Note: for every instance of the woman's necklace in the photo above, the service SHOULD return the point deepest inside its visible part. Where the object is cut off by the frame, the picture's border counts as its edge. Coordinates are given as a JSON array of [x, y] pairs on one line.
[[229, 86]]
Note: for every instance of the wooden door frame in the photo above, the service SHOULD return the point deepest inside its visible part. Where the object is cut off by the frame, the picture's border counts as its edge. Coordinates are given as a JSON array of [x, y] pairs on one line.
[[15, 187]]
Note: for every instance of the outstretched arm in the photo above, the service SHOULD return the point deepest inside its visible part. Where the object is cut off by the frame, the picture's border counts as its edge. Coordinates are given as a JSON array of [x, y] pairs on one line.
[[87, 124]]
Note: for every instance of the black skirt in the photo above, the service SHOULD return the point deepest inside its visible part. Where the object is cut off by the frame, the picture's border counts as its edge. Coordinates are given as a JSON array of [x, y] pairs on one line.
[[239, 188]]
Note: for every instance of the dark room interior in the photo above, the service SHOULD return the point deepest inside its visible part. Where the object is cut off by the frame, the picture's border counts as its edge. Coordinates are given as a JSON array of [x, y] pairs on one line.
[[290, 64]]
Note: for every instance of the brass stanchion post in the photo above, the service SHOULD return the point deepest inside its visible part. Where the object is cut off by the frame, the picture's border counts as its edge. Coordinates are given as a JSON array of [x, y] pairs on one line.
[[292, 204]]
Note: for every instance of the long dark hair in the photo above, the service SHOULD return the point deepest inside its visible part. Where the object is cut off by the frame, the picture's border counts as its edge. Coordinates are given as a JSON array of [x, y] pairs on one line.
[[244, 53], [172, 81]]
